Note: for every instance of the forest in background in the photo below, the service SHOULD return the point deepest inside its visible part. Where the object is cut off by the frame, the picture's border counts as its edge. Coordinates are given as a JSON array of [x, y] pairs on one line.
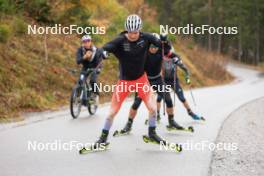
[[248, 15], [34, 69]]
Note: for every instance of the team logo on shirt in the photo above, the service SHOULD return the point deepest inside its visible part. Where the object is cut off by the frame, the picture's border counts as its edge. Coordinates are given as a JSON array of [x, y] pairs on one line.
[[141, 43], [126, 46]]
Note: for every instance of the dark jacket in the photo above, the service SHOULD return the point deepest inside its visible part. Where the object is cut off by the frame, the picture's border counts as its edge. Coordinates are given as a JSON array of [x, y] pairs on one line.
[[95, 60], [131, 55]]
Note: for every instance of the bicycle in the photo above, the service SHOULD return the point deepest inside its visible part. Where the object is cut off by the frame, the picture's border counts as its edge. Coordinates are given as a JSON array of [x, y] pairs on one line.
[[83, 95]]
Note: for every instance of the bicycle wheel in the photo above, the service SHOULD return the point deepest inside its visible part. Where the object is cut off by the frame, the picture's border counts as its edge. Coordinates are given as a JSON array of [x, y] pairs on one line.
[[76, 102], [93, 104]]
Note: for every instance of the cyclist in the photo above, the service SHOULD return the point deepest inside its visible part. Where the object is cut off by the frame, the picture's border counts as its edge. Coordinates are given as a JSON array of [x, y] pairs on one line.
[[130, 48], [89, 56]]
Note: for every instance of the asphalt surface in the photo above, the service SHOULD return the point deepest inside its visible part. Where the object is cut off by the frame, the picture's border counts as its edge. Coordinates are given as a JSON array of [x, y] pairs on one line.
[[128, 155]]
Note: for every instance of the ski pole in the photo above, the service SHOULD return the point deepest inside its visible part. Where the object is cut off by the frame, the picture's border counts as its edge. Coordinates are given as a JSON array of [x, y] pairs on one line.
[[194, 102], [174, 85], [162, 44]]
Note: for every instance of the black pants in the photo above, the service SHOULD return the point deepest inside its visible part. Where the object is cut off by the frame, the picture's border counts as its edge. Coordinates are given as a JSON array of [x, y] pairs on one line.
[[177, 89]]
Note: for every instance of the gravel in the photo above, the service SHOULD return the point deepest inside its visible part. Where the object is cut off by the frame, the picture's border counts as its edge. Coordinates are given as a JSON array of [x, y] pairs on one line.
[[245, 129]]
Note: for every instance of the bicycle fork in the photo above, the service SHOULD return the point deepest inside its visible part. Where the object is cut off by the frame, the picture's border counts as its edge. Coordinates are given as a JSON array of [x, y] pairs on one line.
[[83, 95]]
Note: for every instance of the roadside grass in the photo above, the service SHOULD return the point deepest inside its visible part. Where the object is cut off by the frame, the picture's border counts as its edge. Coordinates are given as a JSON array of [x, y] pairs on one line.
[[207, 68], [29, 82]]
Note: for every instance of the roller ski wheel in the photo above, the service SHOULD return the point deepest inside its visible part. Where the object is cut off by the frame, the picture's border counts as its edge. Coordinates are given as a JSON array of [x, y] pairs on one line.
[[147, 139], [121, 133], [187, 129], [94, 148]]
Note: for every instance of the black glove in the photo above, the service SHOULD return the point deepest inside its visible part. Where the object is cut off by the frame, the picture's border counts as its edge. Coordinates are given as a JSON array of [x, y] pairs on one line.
[[175, 60], [103, 53], [98, 71], [163, 37]]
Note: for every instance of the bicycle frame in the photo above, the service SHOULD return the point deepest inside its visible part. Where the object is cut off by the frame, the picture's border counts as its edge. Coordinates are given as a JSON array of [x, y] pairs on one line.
[[84, 82]]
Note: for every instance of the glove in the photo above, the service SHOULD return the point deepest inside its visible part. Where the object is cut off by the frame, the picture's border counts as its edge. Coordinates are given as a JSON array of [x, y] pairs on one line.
[[105, 54], [175, 60], [98, 71], [87, 55], [163, 37], [187, 79]]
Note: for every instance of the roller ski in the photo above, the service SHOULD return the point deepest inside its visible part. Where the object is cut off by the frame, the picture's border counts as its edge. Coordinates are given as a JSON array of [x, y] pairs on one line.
[[196, 117], [174, 126], [120, 133], [98, 146], [125, 131], [94, 148], [155, 139]]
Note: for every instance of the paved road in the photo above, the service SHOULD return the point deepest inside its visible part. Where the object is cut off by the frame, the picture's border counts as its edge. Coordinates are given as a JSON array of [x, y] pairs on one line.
[[128, 155]]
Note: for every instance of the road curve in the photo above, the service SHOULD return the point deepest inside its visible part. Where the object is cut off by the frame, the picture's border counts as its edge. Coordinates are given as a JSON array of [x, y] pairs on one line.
[[128, 155]]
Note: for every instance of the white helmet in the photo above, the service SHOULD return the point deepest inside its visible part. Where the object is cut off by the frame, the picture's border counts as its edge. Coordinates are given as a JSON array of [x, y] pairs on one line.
[[133, 23], [156, 35], [86, 38]]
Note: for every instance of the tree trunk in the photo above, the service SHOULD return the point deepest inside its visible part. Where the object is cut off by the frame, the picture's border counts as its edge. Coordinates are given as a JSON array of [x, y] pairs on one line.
[[257, 55], [46, 48], [240, 52], [219, 44], [210, 23]]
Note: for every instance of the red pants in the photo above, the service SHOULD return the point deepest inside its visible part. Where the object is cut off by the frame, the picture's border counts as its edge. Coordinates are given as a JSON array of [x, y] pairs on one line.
[[124, 87]]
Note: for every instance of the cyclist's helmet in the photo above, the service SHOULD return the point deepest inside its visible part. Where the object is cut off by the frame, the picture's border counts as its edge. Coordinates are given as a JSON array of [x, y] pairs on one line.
[[86, 38], [133, 23]]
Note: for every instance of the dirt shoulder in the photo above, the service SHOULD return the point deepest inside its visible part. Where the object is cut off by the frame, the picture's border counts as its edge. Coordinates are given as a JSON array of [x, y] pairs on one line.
[[245, 127]]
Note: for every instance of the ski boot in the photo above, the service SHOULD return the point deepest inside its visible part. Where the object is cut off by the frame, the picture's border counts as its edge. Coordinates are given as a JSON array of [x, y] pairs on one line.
[[155, 139], [174, 126], [153, 136], [126, 130], [195, 116], [100, 145]]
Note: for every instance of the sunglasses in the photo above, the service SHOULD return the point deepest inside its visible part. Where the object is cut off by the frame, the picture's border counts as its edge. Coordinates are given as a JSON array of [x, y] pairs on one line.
[[153, 47], [84, 41]]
